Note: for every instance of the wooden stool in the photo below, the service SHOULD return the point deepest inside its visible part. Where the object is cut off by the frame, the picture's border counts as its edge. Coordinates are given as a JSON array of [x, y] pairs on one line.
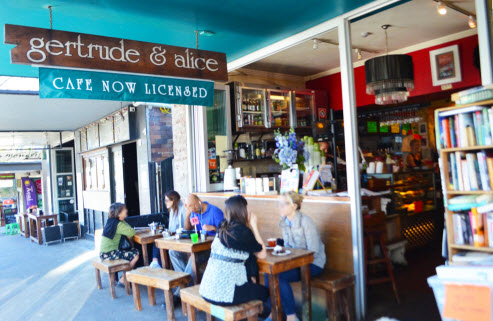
[[193, 300], [162, 279], [339, 290], [372, 237], [111, 267]]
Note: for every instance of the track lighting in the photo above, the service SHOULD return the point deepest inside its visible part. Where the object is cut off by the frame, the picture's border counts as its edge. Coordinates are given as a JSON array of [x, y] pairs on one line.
[[441, 8], [472, 22], [315, 44]]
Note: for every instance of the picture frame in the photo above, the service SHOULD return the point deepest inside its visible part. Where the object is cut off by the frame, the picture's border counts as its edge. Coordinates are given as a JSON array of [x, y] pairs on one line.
[[423, 129], [445, 65]]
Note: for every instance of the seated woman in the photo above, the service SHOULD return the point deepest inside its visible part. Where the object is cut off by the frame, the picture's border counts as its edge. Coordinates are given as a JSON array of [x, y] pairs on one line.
[[225, 281], [113, 231], [299, 232], [176, 221]]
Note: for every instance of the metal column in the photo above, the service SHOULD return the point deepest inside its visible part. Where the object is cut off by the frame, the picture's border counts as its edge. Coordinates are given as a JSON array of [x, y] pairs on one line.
[[352, 162], [483, 16]]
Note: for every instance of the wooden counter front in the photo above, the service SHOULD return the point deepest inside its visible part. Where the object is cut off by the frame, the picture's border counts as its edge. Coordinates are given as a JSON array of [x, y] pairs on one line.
[[331, 214]]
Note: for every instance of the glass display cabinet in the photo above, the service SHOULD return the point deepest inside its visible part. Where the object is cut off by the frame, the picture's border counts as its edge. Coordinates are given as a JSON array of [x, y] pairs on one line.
[[280, 108], [304, 111]]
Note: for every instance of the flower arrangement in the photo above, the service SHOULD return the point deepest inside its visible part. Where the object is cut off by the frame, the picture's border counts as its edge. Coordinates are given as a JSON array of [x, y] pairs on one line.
[[289, 150]]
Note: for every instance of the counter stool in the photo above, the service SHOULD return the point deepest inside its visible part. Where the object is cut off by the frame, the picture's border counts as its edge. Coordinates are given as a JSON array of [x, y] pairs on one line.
[[377, 237]]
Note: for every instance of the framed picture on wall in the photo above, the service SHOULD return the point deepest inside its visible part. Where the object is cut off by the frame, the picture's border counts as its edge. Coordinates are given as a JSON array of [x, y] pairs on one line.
[[445, 65]]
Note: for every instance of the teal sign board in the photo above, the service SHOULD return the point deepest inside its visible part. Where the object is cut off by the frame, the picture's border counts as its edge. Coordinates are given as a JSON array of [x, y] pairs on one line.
[[81, 84]]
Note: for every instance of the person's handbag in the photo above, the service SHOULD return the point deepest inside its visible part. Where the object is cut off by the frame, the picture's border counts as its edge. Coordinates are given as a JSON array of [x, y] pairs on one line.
[[125, 244]]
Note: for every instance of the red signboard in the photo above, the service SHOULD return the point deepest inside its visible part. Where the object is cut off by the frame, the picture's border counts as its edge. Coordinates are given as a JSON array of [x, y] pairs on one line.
[[322, 113]]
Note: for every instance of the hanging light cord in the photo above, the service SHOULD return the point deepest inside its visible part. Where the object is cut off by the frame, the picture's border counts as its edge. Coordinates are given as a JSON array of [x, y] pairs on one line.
[[386, 42], [51, 17]]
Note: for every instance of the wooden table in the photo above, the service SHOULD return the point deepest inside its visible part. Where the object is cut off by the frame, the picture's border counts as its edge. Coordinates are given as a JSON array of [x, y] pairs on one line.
[[273, 265], [35, 225], [183, 245], [23, 224], [144, 237]]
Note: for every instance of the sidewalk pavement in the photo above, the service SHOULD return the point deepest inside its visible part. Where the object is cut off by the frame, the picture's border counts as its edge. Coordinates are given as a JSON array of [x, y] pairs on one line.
[[58, 283]]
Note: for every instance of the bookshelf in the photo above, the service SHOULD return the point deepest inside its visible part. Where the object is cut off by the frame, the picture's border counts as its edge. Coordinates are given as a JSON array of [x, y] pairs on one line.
[[447, 170]]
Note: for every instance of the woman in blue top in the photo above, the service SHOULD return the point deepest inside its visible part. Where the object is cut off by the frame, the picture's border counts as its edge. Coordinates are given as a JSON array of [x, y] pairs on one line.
[[176, 221]]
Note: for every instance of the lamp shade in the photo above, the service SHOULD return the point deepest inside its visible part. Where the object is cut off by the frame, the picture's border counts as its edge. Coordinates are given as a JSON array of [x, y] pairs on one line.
[[389, 78]]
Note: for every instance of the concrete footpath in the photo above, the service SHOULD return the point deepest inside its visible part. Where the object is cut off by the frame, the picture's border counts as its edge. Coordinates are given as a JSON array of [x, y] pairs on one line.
[[57, 282]]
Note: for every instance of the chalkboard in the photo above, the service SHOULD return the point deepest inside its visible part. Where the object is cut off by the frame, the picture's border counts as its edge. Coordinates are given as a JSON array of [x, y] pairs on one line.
[[10, 218]]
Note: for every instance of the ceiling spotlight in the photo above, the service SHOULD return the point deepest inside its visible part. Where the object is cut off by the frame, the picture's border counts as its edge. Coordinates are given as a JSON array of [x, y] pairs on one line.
[[315, 44], [472, 22], [442, 10], [206, 33]]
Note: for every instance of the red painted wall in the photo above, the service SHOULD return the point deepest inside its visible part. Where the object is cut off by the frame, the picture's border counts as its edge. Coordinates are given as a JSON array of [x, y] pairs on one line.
[[422, 75]]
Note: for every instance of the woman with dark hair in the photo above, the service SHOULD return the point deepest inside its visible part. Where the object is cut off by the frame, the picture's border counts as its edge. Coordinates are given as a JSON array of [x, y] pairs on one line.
[[113, 231], [176, 211], [225, 280]]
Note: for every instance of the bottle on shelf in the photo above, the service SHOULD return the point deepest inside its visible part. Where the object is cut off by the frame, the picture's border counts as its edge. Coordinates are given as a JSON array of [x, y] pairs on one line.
[[262, 150], [257, 151], [242, 152]]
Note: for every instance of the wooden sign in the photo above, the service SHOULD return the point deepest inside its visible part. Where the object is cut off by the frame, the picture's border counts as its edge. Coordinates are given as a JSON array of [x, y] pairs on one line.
[[37, 46]]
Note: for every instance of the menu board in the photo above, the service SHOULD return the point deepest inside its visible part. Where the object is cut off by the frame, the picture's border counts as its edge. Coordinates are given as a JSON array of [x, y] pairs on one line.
[[92, 137], [106, 134], [122, 127]]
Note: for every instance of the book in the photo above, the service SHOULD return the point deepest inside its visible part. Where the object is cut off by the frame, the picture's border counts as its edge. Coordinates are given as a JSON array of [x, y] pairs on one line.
[[453, 168], [473, 174], [477, 227], [453, 136], [446, 133], [466, 228], [490, 120], [487, 127], [460, 175], [466, 129], [489, 163], [483, 171], [476, 126], [486, 235], [489, 228], [457, 132], [465, 175], [457, 224]]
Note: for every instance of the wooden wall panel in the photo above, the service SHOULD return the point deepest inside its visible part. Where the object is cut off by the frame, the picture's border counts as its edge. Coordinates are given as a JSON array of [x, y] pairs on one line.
[[332, 216]]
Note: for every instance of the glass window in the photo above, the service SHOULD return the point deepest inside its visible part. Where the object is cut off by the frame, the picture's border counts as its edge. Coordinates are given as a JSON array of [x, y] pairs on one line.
[[64, 161], [217, 137]]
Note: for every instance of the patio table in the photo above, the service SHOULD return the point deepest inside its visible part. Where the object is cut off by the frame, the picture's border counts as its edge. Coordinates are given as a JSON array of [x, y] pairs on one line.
[[35, 225], [145, 237]]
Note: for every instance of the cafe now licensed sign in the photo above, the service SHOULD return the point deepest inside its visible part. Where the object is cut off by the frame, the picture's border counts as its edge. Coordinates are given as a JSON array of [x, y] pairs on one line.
[[37, 46], [80, 84]]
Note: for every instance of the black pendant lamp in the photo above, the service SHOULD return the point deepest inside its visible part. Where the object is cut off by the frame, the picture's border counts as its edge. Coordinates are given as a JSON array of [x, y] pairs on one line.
[[390, 78]]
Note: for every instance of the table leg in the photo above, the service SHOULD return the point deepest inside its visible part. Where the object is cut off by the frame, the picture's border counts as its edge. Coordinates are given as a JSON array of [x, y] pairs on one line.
[[112, 284], [98, 279], [136, 293], [152, 295], [56, 220], [170, 308], [195, 275], [38, 230], [144, 254], [191, 312], [164, 258], [306, 293], [275, 297]]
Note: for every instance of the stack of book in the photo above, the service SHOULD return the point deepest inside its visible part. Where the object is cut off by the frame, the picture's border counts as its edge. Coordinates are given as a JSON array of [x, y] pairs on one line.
[[473, 95], [470, 171], [466, 127], [474, 227]]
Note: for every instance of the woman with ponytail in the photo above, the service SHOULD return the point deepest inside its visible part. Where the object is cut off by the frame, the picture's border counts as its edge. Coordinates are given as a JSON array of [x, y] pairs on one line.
[[226, 281]]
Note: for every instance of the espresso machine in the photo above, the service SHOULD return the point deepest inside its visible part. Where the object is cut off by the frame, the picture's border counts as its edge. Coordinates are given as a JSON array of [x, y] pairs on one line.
[[230, 173]]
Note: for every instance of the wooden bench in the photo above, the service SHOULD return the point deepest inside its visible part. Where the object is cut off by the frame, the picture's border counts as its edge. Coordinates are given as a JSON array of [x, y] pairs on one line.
[[193, 300], [339, 289], [162, 279], [112, 267]]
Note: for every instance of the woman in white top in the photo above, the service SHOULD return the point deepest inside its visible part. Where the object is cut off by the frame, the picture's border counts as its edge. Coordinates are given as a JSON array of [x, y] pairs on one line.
[[176, 221]]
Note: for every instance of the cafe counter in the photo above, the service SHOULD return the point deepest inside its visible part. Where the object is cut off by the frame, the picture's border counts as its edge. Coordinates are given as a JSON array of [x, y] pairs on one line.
[[331, 214]]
